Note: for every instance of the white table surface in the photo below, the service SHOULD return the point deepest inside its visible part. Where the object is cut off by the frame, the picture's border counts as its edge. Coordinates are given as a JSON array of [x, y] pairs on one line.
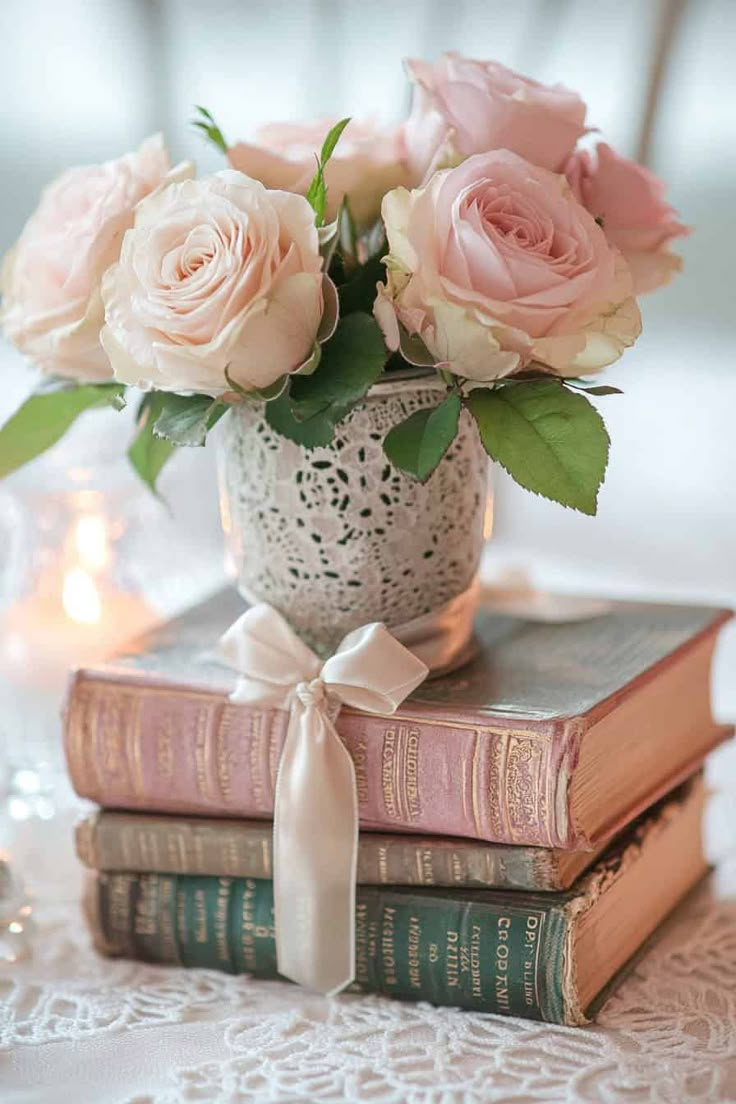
[[78, 1028]]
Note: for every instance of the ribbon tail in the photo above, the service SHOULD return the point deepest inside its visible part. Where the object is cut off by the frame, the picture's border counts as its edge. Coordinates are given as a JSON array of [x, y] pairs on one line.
[[315, 843]]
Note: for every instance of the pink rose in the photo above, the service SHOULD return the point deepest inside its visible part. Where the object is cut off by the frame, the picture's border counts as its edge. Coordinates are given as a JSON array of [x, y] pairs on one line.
[[462, 106], [495, 264], [217, 274], [628, 199], [52, 309], [366, 164]]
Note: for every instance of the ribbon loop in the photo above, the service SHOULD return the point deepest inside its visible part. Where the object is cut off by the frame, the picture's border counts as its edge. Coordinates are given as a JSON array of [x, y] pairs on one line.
[[268, 655], [315, 829]]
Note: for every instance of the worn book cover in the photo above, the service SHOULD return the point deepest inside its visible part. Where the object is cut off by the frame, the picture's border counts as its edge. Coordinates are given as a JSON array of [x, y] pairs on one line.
[[155, 843], [541, 956], [553, 736]]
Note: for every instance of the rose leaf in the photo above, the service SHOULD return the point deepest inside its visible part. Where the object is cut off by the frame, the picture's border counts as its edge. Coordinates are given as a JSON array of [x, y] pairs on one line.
[[590, 388], [309, 433], [359, 292], [207, 125], [602, 389], [352, 360], [186, 419], [148, 454], [552, 441], [44, 418], [317, 191], [417, 444]]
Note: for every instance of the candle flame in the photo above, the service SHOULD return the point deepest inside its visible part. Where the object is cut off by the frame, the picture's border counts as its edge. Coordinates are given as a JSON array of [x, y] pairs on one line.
[[81, 598], [92, 544]]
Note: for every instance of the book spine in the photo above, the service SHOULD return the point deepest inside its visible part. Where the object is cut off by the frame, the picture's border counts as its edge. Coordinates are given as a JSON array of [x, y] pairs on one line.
[[136, 745], [176, 845], [418, 861], [501, 957]]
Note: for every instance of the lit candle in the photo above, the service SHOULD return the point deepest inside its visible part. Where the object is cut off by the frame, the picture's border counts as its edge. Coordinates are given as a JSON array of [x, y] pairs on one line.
[[75, 614]]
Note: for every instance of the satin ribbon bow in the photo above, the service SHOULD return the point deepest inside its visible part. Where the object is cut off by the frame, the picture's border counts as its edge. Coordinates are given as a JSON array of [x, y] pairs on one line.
[[315, 827]]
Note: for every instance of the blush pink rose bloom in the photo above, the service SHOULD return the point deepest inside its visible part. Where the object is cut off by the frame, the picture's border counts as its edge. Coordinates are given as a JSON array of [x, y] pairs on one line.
[[628, 199], [462, 106], [494, 264], [367, 163], [216, 274], [52, 308]]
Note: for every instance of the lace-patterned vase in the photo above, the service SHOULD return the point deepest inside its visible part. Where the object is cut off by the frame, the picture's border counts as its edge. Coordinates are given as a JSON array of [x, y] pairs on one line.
[[336, 537]]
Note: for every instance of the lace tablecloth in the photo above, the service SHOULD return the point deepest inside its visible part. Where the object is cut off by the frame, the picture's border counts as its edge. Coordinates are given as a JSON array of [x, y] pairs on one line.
[[78, 1029]]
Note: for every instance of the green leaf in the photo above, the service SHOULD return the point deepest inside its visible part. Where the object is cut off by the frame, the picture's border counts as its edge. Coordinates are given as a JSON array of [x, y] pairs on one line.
[[316, 194], [331, 140], [602, 389], [592, 389], [359, 292], [148, 454], [186, 419], [550, 440], [207, 125], [417, 445], [352, 360], [44, 418], [317, 191], [310, 433]]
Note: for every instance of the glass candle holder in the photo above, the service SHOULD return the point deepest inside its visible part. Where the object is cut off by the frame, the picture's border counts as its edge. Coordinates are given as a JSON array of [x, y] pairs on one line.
[[74, 539], [85, 566]]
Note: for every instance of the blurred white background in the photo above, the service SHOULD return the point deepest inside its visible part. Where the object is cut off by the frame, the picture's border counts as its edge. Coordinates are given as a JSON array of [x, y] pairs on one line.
[[83, 81]]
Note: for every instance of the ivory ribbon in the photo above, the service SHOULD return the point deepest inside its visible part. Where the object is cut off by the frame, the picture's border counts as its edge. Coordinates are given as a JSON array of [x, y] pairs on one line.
[[315, 828]]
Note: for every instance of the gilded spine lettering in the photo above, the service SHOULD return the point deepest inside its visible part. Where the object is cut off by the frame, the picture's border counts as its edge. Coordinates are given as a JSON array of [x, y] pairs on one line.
[[388, 952], [222, 935], [414, 958], [400, 773], [145, 745], [460, 949], [503, 998]]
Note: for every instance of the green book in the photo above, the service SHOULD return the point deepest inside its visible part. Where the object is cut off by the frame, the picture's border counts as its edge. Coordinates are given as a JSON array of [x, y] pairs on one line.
[[540, 956]]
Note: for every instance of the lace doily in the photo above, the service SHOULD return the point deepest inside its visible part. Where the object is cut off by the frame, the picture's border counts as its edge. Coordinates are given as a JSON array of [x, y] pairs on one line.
[[670, 1035], [667, 1036]]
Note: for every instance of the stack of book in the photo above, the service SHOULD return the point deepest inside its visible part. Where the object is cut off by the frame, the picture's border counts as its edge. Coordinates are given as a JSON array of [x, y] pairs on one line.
[[526, 821]]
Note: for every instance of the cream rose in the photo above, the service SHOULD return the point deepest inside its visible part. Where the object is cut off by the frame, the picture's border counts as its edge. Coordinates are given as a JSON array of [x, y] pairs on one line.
[[52, 308], [628, 200], [462, 106], [495, 264], [367, 163], [216, 275]]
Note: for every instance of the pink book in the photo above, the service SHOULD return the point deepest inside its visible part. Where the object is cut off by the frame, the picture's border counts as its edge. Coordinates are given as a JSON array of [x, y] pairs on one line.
[[553, 736]]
